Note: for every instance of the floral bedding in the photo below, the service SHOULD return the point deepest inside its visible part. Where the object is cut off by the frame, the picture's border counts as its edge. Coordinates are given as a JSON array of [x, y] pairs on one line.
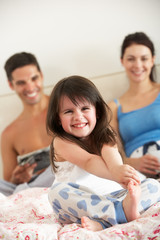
[[28, 215]]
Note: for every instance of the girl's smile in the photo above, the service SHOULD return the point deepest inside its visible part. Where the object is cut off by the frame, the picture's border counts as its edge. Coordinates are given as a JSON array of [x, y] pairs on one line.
[[78, 120]]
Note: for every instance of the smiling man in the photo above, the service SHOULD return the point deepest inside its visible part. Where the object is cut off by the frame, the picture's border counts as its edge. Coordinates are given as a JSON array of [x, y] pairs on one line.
[[26, 136]]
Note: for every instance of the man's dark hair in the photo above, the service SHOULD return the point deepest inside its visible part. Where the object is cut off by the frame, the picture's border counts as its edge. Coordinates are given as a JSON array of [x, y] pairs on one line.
[[19, 60]]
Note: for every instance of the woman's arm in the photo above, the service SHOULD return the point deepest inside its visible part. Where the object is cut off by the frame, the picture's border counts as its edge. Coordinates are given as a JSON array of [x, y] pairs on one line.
[[147, 164]]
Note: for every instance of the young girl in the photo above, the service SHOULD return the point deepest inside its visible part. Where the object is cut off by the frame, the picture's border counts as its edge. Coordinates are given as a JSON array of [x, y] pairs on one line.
[[87, 163]]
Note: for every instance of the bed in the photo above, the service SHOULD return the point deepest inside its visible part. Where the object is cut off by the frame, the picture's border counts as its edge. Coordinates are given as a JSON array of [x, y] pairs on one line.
[[27, 215]]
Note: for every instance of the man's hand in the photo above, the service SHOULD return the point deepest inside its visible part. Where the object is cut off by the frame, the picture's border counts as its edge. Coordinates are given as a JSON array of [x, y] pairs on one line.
[[23, 173]]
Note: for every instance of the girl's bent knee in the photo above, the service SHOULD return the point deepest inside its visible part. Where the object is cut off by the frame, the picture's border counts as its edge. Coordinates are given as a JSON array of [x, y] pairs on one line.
[[53, 192], [151, 187]]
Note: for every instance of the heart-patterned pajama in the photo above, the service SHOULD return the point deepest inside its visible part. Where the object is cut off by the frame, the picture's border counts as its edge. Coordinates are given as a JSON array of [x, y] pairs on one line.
[[71, 201]]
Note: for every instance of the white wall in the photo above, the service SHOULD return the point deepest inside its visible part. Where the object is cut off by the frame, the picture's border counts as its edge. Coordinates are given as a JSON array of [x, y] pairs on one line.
[[72, 37]]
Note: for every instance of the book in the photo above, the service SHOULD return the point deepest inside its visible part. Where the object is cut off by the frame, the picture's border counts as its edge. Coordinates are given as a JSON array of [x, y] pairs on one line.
[[41, 157]]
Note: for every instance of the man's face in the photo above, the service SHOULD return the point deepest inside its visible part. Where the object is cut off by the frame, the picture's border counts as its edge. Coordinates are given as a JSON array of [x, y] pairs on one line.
[[27, 82]]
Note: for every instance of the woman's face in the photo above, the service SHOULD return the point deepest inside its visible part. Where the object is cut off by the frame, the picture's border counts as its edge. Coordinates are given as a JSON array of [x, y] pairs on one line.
[[78, 120], [138, 62]]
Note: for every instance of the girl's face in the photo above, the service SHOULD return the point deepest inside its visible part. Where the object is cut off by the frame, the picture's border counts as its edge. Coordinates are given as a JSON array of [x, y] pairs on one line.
[[138, 62], [78, 120]]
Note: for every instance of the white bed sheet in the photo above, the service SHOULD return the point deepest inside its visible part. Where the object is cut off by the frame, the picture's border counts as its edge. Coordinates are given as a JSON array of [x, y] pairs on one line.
[[28, 215]]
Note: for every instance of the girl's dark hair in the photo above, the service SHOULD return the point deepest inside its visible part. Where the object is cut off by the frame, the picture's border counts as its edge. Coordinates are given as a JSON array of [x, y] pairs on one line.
[[142, 39], [80, 88]]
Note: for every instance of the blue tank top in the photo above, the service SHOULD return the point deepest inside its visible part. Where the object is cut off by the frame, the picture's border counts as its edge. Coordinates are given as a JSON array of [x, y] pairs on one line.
[[139, 126]]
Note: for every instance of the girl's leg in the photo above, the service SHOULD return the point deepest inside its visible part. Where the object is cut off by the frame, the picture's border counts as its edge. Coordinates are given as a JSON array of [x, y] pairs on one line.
[[130, 206], [131, 201], [92, 225], [150, 194], [71, 202]]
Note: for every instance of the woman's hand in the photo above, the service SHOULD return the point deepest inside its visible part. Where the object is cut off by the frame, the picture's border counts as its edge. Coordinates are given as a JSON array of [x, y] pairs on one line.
[[147, 164], [123, 174]]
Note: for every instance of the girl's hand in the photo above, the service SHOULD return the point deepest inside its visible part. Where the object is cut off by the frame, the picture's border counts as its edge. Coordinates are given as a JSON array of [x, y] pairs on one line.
[[147, 164], [123, 174]]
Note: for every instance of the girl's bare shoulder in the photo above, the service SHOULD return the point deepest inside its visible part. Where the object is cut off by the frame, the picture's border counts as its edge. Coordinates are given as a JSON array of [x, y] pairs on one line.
[[58, 141]]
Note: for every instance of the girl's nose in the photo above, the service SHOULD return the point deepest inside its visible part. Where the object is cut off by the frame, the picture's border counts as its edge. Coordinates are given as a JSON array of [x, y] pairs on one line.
[[78, 114]]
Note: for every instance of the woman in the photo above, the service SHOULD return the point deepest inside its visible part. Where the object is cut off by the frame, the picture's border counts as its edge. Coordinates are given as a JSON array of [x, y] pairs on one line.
[[136, 113]]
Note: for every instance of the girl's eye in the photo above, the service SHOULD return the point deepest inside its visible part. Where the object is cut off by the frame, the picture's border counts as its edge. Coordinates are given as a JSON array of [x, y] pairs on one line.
[[85, 108], [68, 111]]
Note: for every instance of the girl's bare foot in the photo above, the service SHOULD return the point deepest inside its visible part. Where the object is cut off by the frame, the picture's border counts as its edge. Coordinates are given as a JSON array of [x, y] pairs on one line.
[[131, 201], [91, 225]]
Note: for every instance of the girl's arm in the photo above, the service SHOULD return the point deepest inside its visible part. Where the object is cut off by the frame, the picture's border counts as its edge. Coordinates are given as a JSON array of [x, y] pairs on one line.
[[110, 168], [71, 152], [120, 172]]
